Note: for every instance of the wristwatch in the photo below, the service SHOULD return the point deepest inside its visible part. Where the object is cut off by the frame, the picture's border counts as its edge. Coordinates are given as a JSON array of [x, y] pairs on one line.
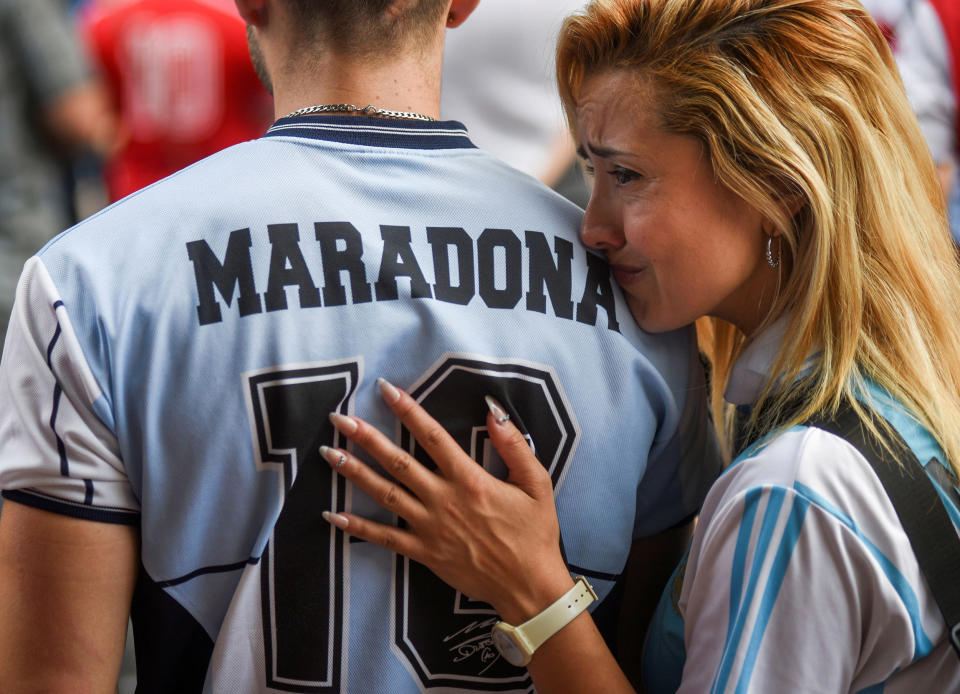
[[518, 643]]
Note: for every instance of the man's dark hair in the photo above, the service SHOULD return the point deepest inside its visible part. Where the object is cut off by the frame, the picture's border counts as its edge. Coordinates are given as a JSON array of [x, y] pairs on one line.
[[367, 25]]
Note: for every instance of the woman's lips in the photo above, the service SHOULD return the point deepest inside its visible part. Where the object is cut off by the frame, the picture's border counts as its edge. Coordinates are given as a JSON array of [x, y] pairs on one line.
[[624, 274]]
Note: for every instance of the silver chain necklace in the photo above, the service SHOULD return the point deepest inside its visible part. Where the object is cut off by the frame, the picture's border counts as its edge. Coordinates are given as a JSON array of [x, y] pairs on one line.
[[368, 110]]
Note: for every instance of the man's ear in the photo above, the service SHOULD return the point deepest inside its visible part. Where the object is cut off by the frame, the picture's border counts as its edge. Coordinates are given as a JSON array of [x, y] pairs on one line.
[[459, 11], [254, 12]]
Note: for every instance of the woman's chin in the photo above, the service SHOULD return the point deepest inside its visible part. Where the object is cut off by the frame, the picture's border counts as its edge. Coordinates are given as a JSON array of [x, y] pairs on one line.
[[655, 322], [648, 318], [661, 326]]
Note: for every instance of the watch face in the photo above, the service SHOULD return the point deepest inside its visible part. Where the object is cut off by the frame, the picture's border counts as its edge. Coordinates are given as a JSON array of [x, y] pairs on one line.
[[508, 647]]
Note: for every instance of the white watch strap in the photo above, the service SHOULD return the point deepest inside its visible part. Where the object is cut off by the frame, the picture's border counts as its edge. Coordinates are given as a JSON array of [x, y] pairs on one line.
[[538, 629]]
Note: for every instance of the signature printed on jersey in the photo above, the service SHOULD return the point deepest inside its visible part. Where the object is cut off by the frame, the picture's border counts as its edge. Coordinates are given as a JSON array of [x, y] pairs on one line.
[[474, 641]]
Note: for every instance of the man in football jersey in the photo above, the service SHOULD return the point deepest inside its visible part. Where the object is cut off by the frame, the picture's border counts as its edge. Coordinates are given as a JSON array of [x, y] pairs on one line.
[[52, 111], [172, 363]]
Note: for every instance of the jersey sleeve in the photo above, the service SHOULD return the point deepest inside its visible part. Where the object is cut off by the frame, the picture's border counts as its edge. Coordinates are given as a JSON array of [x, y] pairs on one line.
[[680, 473], [783, 594], [57, 449]]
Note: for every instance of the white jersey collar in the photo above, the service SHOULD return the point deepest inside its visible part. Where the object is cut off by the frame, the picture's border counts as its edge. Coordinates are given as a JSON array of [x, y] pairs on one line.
[[753, 366]]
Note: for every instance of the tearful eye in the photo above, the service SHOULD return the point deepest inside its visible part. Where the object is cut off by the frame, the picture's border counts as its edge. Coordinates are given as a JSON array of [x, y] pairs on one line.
[[623, 176]]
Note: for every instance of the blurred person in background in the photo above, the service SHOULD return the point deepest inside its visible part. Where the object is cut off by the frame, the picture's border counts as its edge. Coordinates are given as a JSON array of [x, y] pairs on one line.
[[181, 80], [889, 15], [52, 109], [928, 55], [498, 76]]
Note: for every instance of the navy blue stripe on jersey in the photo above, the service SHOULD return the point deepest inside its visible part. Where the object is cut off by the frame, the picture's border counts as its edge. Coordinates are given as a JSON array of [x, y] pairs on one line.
[[222, 568], [588, 573], [73, 509], [57, 392], [53, 343], [375, 132], [61, 448]]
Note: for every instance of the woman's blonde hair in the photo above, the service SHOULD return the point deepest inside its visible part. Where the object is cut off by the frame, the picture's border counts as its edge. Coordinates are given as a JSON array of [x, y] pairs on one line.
[[801, 112]]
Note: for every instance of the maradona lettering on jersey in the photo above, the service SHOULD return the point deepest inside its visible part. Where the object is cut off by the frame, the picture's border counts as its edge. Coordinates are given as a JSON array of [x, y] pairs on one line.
[[491, 267]]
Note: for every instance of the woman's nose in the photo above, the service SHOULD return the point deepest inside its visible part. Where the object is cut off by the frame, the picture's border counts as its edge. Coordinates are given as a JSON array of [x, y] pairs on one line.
[[601, 228]]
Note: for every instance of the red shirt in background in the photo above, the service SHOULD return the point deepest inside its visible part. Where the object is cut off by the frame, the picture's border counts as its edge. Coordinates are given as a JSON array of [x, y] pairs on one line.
[[182, 80], [949, 11]]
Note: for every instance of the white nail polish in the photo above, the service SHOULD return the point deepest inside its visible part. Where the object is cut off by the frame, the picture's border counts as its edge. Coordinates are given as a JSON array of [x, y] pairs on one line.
[[343, 423], [336, 458], [496, 408], [387, 391], [336, 519]]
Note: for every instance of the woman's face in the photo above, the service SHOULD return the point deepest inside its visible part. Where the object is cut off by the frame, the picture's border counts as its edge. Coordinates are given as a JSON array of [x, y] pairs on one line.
[[679, 244]]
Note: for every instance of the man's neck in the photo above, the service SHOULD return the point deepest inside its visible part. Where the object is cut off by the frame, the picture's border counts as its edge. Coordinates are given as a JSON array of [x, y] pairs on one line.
[[406, 83]]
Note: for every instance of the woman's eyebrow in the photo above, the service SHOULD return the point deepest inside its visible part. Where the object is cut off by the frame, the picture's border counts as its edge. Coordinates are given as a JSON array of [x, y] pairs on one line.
[[598, 151]]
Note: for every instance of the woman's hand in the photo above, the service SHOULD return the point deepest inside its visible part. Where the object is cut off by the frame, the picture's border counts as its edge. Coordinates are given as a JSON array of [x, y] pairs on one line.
[[495, 541]]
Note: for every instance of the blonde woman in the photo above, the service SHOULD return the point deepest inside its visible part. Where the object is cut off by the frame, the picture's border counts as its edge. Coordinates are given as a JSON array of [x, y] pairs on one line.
[[755, 162]]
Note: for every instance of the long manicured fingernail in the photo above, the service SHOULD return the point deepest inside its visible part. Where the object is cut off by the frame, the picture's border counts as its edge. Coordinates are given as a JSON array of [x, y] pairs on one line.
[[387, 391], [336, 519], [496, 408], [336, 458], [348, 425]]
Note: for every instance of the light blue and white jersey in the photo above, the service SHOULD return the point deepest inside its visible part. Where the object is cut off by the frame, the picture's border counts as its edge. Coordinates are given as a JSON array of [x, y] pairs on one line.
[[172, 362], [800, 577]]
